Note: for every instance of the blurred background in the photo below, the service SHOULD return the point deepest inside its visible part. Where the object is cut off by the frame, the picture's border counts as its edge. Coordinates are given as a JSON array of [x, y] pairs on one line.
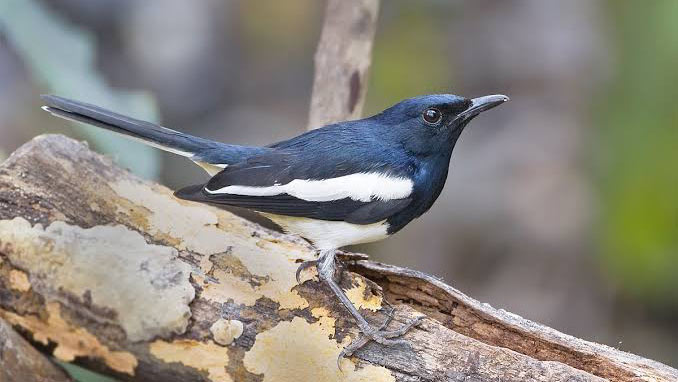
[[561, 206]]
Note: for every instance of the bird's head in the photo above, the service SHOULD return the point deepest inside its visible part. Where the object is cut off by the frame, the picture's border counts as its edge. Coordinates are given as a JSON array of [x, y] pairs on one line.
[[431, 124]]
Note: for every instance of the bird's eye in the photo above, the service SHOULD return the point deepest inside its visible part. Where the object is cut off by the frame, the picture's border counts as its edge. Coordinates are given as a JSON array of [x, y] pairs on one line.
[[432, 116]]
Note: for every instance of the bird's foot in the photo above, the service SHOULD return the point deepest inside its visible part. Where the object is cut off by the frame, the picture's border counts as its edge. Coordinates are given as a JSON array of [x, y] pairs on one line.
[[379, 335], [321, 264], [327, 268]]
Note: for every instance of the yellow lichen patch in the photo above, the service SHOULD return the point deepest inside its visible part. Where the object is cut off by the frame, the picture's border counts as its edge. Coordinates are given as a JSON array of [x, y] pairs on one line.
[[71, 341], [206, 264], [229, 287], [320, 312], [299, 351], [208, 357], [225, 331], [357, 296], [279, 265], [209, 231], [19, 281], [192, 227]]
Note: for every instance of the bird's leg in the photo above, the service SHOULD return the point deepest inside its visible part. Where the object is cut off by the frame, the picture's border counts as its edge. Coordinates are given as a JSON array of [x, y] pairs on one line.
[[308, 264], [326, 269]]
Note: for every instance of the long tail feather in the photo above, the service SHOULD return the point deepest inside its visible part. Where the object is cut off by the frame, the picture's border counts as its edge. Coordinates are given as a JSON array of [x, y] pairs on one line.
[[150, 133], [211, 155]]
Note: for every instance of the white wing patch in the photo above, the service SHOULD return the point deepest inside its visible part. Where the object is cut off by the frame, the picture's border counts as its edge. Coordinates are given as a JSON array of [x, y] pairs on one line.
[[361, 187]]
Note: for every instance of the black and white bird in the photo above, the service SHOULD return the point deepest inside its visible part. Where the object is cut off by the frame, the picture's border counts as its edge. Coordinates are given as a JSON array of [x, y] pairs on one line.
[[346, 183]]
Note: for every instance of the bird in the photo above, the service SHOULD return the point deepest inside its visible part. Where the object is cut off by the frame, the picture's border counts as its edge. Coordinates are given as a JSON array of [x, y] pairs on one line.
[[345, 183]]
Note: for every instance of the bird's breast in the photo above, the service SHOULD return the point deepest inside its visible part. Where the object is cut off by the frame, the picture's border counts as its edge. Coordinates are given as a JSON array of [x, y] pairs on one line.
[[327, 234], [428, 182]]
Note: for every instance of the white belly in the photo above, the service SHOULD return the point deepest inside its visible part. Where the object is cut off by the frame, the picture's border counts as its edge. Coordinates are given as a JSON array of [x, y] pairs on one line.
[[327, 235]]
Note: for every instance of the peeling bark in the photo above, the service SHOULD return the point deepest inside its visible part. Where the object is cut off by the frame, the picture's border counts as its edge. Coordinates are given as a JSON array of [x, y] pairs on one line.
[[97, 266], [342, 61]]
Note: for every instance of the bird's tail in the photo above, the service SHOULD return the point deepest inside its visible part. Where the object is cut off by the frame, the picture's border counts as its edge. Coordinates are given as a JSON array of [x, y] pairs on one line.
[[150, 133], [211, 155]]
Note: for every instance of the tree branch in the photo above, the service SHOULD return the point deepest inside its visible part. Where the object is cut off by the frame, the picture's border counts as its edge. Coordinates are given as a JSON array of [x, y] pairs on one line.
[[112, 272], [342, 61]]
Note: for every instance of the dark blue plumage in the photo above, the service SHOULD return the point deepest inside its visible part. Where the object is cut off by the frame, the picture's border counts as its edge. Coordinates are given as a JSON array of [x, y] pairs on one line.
[[402, 142], [395, 142]]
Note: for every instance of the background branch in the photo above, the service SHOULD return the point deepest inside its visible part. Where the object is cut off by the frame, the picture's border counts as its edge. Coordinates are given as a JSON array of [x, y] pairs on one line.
[[342, 61]]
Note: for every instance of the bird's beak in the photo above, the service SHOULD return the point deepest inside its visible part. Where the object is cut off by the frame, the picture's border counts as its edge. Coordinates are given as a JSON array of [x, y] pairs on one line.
[[481, 104]]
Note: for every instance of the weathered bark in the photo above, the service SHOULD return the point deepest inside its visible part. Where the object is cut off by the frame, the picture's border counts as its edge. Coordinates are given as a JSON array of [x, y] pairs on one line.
[[112, 272], [19, 361], [342, 61]]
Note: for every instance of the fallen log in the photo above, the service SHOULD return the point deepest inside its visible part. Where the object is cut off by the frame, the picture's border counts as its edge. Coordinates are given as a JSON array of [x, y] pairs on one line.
[[101, 268]]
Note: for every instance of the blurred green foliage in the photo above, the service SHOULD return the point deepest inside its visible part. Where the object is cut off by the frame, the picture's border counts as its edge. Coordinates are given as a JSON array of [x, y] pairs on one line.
[[398, 56], [84, 375], [639, 151], [275, 29]]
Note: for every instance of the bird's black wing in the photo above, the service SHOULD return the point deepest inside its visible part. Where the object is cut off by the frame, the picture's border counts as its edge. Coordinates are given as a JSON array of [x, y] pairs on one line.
[[280, 168], [347, 210]]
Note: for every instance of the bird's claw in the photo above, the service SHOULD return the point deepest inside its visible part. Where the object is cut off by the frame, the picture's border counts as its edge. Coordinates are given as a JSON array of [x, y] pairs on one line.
[[303, 266], [379, 335], [363, 340]]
